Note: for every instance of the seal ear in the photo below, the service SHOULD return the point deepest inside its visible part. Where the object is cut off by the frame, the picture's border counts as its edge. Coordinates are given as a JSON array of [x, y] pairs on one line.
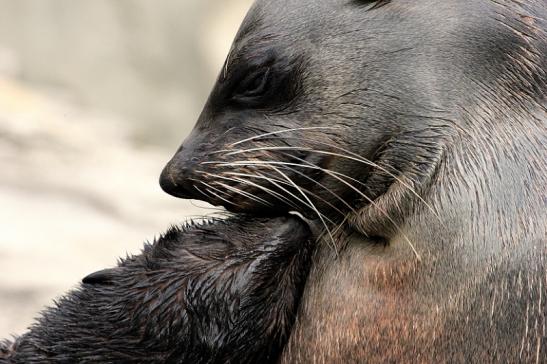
[[105, 277]]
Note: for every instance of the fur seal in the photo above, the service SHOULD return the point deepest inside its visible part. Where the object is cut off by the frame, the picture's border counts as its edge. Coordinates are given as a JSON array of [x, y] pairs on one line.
[[415, 132], [220, 292]]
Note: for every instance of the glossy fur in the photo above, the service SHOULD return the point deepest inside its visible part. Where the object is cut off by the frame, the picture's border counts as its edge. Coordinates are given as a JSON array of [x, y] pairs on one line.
[[221, 292], [418, 129]]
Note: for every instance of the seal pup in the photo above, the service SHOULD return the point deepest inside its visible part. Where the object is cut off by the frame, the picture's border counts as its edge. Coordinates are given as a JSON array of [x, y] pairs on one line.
[[218, 292], [418, 130]]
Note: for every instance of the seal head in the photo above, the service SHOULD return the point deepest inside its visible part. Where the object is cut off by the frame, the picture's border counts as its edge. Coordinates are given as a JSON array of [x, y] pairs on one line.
[[417, 130], [218, 292]]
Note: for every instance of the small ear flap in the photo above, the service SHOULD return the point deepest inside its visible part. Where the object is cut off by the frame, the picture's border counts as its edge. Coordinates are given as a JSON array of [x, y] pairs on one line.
[[105, 276]]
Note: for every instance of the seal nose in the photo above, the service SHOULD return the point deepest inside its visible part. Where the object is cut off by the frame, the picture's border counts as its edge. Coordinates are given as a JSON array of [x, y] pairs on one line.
[[176, 178]]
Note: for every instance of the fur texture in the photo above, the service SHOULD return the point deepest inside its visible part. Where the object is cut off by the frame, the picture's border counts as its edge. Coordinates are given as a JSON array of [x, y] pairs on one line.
[[220, 292]]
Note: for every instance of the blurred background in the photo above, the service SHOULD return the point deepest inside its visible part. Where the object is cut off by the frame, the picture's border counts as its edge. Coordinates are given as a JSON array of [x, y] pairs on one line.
[[95, 97]]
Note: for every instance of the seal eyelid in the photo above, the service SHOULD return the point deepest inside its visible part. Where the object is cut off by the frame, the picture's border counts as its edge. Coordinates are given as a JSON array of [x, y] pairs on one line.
[[374, 4], [253, 85]]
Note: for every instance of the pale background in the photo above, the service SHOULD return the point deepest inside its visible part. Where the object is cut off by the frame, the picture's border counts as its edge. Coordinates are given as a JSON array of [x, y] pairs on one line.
[[95, 96]]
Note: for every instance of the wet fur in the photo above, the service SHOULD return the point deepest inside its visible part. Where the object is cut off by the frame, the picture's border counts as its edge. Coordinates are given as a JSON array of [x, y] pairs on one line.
[[219, 292]]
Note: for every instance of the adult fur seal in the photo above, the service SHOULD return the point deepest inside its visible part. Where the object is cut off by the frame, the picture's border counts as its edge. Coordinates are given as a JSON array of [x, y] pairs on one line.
[[417, 128], [222, 292]]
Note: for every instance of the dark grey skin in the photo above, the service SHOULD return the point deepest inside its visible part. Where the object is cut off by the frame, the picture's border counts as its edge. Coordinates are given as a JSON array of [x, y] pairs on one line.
[[221, 292], [417, 130]]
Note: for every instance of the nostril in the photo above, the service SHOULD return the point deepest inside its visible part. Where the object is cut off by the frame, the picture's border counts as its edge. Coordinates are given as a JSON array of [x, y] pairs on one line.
[[175, 180]]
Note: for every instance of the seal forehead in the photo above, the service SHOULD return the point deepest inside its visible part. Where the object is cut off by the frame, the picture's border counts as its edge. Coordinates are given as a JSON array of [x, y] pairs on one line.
[[268, 29], [287, 26], [306, 23], [289, 18]]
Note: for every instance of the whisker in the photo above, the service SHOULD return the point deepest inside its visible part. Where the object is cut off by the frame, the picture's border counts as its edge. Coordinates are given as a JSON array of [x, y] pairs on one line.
[[209, 188], [265, 189], [231, 152], [207, 217], [273, 182], [353, 156], [311, 203], [326, 189], [334, 175], [281, 132], [268, 178], [206, 195], [212, 208], [200, 191], [244, 194], [339, 227]]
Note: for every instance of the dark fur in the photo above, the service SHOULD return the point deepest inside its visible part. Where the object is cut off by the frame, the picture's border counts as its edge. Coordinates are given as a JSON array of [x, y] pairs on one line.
[[439, 110], [222, 292]]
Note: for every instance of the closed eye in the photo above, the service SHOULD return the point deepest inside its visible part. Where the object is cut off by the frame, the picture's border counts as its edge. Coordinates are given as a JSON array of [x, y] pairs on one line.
[[372, 4], [253, 85], [262, 82]]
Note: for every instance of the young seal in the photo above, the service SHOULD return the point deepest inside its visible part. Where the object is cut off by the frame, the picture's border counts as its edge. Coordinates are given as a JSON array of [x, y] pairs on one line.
[[418, 128], [222, 292]]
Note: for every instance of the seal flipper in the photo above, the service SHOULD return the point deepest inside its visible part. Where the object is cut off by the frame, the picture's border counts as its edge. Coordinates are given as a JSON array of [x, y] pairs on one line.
[[105, 277]]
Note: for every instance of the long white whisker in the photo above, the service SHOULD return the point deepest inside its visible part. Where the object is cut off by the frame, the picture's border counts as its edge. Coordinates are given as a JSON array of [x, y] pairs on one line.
[[209, 216], [335, 231], [286, 183], [259, 175], [311, 203], [353, 156], [326, 189], [238, 190], [280, 132], [334, 175], [243, 193], [230, 152], [265, 189], [214, 209], [209, 188], [200, 191]]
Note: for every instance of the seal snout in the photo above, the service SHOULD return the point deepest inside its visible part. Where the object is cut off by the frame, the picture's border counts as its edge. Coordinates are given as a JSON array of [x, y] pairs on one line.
[[176, 177]]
